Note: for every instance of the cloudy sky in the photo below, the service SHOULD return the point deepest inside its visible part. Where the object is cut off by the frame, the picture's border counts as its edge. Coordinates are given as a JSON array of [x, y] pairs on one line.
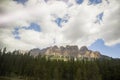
[[27, 24]]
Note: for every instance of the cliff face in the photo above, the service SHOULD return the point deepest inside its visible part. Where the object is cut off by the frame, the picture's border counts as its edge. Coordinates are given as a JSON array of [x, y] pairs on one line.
[[65, 51], [72, 51]]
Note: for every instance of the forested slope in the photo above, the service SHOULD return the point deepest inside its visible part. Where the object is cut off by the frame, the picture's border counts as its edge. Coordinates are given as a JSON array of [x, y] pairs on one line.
[[39, 68]]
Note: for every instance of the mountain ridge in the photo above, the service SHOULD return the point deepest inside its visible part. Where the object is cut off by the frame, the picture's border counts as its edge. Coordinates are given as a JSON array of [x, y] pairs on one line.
[[68, 50]]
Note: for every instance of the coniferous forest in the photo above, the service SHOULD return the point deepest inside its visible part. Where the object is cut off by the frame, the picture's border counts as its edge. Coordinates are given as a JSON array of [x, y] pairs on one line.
[[27, 67]]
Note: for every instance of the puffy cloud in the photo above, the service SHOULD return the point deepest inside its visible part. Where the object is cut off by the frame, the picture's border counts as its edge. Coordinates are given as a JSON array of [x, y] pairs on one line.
[[80, 28], [111, 26]]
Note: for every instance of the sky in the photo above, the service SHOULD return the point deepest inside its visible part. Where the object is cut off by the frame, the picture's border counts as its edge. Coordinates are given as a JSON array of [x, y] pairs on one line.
[[28, 24]]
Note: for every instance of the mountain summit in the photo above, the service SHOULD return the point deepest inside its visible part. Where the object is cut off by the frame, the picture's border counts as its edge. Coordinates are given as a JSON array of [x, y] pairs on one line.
[[68, 51]]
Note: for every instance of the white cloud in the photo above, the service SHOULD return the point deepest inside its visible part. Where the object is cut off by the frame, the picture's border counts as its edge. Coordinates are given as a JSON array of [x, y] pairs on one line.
[[80, 28]]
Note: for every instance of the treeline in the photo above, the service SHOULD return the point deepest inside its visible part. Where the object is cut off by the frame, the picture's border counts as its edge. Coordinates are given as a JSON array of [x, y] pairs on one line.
[[39, 68]]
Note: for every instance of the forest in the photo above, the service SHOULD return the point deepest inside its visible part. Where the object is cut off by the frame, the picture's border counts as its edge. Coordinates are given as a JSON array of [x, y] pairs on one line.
[[27, 67]]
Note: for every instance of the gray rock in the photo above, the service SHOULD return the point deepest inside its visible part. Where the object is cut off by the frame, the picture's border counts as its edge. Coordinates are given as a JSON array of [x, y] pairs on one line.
[[71, 51]]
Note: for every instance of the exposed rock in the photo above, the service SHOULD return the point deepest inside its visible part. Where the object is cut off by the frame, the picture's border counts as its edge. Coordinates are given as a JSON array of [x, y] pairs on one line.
[[92, 54], [83, 49], [35, 51], [71, 51]]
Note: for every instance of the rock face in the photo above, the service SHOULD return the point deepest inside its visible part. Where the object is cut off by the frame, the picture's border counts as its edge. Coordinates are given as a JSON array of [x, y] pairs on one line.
[[71, 51], [35, 51]]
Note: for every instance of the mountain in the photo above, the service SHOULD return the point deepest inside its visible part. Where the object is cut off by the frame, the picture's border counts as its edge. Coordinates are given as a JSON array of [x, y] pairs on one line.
[[68, 51]]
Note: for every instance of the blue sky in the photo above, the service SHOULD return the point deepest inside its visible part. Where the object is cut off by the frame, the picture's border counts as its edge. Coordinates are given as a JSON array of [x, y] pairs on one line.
[[79, 1], [21, 1], [60, 21], [99, 17], [99, 45], [32, 26], [27, 24], [94, 2]]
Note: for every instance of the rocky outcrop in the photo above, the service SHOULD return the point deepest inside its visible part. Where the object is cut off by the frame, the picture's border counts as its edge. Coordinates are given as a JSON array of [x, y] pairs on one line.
[[35, 51], [92, 54], [71, 51]]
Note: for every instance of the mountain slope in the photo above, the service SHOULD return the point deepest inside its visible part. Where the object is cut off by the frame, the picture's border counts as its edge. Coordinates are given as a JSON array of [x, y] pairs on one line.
[[70, 51]]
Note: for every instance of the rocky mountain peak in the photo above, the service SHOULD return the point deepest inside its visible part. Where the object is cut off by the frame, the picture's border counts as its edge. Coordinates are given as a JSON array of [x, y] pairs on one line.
[[35, 51], [72, 47], [55, 47], [83, 49], [68, 50]]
